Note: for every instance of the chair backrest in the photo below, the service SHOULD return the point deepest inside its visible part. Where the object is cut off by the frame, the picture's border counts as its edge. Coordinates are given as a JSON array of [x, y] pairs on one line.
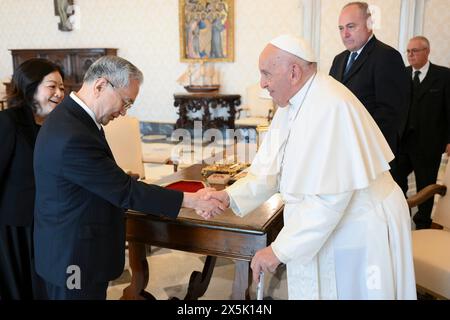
[[442, 213], [258, 103], [124, 139]]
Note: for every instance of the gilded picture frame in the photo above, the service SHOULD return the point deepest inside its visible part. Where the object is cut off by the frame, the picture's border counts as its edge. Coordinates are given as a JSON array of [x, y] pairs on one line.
[[206, 30]]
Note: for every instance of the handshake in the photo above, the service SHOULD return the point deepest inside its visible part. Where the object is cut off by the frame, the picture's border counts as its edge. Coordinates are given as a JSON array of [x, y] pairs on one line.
[[207, 202]]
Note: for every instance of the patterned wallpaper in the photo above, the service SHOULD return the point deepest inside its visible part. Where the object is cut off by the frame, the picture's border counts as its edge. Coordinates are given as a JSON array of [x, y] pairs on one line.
[[146, 33], [436, 29], [387, 19]]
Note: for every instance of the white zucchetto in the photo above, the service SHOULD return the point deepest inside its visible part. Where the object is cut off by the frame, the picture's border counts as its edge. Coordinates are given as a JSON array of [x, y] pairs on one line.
[[296, 46]]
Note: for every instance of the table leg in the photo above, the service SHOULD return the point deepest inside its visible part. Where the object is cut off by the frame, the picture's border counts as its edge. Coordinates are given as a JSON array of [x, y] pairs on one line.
[[198, 282], [139, 274], [242, 280]]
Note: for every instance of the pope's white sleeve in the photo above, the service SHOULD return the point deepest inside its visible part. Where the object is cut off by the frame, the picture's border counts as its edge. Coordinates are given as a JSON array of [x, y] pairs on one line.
[[248, 193], [309, 226]]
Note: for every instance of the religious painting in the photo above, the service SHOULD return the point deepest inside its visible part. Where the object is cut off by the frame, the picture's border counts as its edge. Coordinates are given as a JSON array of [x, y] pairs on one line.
[[65, 10], [206, 30]]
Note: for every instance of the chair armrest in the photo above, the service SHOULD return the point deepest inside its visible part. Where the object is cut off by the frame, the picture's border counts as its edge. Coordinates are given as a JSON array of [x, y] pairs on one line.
[[270, 114], [174, 163], [425, 194], [436, 226], [241, 109]]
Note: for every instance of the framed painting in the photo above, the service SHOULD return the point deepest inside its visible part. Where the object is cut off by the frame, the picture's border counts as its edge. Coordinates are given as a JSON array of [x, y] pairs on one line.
[[206, 30], [64, 9]]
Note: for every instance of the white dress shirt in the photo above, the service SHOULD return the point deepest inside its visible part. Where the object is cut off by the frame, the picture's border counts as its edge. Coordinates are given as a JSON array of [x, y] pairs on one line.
[[423, 71], [85, 108]]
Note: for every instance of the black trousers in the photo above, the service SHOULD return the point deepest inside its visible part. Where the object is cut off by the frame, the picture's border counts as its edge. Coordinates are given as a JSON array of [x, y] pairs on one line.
[[425, 169], [18, 278], [95, 291]]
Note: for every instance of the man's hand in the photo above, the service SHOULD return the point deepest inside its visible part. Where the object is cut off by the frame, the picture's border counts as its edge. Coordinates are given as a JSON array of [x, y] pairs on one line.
[[264, 260], [447, 150], [222, 196], [211, 194], [205, 206]]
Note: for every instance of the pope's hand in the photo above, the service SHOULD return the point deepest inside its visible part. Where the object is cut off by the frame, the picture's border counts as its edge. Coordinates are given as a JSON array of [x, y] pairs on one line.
[[221, 196], [264, 260], [204, 206], [210, 194]]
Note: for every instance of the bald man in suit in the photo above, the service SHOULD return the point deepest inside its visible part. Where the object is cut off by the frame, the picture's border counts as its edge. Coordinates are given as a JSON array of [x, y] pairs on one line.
[[374, 72]]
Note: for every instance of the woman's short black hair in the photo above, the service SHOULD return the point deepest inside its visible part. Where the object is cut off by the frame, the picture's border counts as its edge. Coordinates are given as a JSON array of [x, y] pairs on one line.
[[26, 79]]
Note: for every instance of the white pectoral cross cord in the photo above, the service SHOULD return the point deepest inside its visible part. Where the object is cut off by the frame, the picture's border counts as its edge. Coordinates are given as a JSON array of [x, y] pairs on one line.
[[290, 128]]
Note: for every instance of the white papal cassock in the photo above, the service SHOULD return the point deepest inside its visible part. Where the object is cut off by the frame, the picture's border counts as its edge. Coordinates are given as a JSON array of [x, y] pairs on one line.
[[346, 231]]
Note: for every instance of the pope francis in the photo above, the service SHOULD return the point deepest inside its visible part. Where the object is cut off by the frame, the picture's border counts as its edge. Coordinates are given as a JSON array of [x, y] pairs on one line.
[[346, 232]]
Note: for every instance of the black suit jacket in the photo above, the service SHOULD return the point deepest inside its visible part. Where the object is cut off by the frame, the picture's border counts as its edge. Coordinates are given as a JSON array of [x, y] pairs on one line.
[[428, 129], [18, 132], [378, 79], [81, 194]]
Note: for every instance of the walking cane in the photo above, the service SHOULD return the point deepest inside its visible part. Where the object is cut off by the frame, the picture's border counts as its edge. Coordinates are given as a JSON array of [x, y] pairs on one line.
[[260, 287]]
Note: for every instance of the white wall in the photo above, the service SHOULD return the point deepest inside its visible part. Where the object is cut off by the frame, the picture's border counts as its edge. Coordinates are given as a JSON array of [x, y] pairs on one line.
[[387, 16], [146, 33], [437, 29], [435, 17]]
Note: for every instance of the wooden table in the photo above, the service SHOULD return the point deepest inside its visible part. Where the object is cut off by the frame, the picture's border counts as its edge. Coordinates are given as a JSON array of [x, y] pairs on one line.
[[226, 235]]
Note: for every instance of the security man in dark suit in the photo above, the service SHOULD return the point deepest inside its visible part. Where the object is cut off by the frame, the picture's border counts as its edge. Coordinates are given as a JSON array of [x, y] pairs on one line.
[[427, 134], [373, 71], [82, 194]]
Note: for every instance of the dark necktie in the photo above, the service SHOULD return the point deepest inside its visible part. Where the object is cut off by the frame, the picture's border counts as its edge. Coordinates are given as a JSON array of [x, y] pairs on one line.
[[349, 64], [413, 120], [416, 79]]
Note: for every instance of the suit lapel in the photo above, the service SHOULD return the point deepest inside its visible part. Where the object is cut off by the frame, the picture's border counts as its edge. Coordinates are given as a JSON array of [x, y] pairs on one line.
[[341, 66], [427, 82], [102, 135], [92, 127], [359, 62]]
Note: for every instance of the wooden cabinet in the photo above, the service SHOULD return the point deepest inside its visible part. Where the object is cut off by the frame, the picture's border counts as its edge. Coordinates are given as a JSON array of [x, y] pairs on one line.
[[74, 62], [207, 103]]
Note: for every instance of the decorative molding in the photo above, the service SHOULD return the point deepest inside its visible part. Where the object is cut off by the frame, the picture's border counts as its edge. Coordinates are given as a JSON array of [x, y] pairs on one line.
[[311, 23], [412, 15]]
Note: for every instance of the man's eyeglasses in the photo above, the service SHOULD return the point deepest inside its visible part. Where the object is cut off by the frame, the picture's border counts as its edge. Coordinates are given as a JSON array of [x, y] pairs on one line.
[[127, 103], [414, 51]]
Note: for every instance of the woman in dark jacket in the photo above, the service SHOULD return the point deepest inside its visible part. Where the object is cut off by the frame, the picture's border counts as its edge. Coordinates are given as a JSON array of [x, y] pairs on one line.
[[37, 88]]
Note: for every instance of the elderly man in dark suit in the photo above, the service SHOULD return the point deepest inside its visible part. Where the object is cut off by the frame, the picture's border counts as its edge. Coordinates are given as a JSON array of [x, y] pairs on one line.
[[81, 193], [373, 71], [427, 133]]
